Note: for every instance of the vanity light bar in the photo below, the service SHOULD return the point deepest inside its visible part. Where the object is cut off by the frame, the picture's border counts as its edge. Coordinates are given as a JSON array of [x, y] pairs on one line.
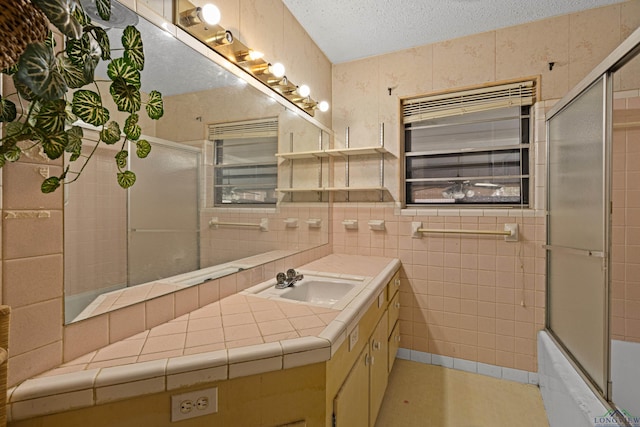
[[194, 20]]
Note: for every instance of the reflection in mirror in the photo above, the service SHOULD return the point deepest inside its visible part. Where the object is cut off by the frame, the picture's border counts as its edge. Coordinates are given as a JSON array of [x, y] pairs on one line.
[[204, 204]]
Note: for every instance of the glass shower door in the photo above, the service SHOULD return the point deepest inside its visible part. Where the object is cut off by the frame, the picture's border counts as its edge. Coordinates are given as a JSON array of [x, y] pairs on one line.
[[577, 231], [163, 214]]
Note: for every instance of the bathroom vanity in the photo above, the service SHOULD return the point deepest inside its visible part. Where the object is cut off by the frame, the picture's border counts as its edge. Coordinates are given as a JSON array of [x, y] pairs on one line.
[[333, 374]]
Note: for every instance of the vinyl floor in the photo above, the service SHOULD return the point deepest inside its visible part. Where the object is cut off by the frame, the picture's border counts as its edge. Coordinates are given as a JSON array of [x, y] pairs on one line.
[[427, 395]]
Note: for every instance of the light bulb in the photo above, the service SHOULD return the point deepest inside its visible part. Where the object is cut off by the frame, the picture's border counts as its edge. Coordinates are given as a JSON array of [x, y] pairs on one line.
[[277, 69], [323, 106], [210, 14], [304, 91], [254, 55]]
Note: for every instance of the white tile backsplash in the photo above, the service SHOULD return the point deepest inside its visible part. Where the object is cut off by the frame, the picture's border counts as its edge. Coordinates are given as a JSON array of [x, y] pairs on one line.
[[509, 374]]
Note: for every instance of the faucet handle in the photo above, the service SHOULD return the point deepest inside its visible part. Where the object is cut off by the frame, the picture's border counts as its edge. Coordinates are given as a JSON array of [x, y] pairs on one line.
[[280, 278], [291, 274]]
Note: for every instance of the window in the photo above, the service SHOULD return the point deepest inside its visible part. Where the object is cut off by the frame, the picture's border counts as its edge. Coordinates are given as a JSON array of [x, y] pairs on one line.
[[245, 166], [469, 147]]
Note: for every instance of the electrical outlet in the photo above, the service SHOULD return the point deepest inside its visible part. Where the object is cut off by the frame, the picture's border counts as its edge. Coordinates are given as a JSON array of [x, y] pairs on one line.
[[353, 337], [194, 404]]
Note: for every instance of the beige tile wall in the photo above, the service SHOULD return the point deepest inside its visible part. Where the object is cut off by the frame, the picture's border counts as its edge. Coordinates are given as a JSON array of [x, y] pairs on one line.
[[472, 297], [625, 262], [32, 266], [226, 244]]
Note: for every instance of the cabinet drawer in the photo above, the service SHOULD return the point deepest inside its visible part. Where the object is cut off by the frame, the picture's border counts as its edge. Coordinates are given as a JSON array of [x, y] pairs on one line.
[[393, 286], [394, 310], [394, 344]]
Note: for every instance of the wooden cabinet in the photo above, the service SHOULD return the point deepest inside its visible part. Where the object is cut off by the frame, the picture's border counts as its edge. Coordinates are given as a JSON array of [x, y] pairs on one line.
[[351, 404], [360, 396]]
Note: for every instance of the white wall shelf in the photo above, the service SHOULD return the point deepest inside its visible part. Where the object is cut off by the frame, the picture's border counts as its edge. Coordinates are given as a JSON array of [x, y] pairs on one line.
[[330, 189], [345, 153], [334, 152]]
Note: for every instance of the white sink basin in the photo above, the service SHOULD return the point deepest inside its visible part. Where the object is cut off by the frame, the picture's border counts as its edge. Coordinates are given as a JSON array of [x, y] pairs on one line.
[[319, 292], [316, 290]]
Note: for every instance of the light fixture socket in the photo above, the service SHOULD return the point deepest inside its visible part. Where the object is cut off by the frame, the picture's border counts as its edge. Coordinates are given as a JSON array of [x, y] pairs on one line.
[[198, 15], [278, 81], [250, 55], [221, 37], [260, 69]]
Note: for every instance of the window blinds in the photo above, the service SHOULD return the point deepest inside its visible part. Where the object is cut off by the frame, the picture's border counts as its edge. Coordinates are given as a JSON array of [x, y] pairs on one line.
[[260, 128], [457, 103]]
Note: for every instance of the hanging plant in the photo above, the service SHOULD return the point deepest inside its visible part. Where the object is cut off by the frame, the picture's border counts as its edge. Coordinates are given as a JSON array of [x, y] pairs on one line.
[[43, 77]]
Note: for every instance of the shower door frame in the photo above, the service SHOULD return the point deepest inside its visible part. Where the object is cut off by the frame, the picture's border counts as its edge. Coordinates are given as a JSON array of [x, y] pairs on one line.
[[198, 152], [626, 51], [605, 139]]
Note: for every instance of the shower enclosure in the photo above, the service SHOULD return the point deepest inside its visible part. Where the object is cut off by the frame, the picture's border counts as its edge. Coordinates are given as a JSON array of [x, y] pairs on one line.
[[593, 228], [116, 238]]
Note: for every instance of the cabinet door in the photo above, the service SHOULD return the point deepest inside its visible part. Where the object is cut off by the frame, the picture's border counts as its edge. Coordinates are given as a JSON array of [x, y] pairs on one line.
[[379, 370], [394, 310], [351, 404], [394, 343]]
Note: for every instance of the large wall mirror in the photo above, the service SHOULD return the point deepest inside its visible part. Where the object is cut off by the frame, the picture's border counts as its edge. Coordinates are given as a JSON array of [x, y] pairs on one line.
[[204, 204]]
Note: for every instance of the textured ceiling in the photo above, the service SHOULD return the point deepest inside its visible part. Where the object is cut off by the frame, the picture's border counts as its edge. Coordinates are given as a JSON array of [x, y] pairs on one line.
[[346, 30]]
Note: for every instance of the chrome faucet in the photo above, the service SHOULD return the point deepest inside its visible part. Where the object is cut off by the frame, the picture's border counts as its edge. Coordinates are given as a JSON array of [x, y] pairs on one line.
[[286, 280]]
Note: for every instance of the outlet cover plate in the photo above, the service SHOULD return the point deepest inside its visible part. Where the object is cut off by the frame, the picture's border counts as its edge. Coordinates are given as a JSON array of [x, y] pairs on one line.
[[190, 405]]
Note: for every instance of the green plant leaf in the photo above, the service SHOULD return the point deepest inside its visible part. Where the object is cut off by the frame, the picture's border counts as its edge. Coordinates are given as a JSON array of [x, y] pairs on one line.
[[126, 179], [143, 148], [155, 106], [74, 144], [23, 90], [126, 97], [87, 105], [81, 16], [18, 131], [52, 116], [72, 74], [55, 144], [85, 52], [11, 70], [133, 49], [61, 13], [77, 49], [37, 70], [50, 40], [103, 41], [104, 9], [121, 159], [131, 128], [12, 154], [124, 69], [111, 133], [8, 112], [50, 184]]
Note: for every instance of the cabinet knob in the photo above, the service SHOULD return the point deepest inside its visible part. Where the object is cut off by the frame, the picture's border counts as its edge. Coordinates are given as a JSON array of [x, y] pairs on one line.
[[397, 305], [367, 360], [376, 345], [397, 282], [398, 338]]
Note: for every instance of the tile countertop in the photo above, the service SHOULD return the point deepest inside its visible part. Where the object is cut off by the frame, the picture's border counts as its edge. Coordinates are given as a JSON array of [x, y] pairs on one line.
[[238, 336]]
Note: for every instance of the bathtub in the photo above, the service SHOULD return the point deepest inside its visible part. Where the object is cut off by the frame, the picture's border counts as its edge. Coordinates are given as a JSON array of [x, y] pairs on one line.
[[567, 399]]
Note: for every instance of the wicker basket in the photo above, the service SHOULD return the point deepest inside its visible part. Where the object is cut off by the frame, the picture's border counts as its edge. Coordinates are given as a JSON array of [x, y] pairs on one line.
[[21, 23]]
